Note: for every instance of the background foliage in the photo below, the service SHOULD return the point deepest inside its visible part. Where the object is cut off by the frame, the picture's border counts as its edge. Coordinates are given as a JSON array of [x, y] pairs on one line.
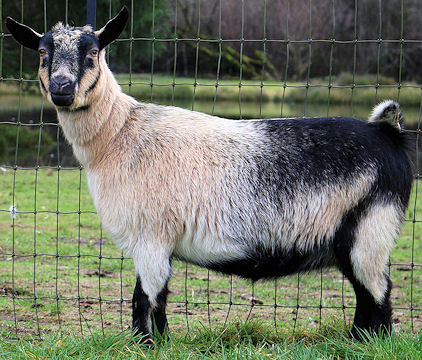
[[75, 13], [157, 23]]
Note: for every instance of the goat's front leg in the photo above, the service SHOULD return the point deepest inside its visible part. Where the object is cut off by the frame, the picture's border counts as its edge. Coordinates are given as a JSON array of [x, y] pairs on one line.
[[158, 316], [152, 266], [140, 310]]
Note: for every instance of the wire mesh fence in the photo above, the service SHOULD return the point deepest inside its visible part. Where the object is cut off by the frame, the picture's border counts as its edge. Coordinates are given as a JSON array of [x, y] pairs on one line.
[[237, 59]]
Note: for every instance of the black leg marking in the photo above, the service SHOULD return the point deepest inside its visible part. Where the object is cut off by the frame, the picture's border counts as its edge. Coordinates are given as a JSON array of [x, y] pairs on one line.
[[158, 316], [140, 310], [369, 315]]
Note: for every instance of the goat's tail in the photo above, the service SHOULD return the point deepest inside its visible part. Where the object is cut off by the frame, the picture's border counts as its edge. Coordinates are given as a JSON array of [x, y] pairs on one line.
[[388, 111]]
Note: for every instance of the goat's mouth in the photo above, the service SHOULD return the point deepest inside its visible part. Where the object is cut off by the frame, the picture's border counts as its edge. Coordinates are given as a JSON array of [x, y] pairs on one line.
[[62, 99]]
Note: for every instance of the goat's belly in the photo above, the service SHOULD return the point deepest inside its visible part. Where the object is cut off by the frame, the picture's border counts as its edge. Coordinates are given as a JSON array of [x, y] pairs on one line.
[[272, 265], [205, 249], [259, 262]]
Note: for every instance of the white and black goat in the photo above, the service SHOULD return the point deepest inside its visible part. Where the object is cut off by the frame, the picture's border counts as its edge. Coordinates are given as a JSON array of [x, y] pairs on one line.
[[259, 199]]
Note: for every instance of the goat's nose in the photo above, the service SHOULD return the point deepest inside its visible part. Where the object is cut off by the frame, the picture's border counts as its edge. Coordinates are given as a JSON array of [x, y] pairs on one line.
[[61, 84], [61, 89]]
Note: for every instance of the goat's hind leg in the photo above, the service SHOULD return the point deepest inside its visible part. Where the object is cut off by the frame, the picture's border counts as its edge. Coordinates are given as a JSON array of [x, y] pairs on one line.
[[371, 315], [362, 249]]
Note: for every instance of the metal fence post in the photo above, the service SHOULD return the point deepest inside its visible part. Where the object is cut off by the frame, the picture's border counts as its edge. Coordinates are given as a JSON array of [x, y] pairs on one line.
[[91, 12]]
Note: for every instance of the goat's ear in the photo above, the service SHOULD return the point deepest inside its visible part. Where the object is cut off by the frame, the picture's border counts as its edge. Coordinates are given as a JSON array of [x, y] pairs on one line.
[[114, 27], [23, 34]]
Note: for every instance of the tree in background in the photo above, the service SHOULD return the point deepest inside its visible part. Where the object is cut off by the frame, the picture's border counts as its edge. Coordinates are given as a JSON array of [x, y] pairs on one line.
[[74, 14], [285, 21]]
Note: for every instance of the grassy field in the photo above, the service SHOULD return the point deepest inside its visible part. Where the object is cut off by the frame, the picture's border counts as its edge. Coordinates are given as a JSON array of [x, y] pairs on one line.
[[251, 340], [58, 271], [61, 275]]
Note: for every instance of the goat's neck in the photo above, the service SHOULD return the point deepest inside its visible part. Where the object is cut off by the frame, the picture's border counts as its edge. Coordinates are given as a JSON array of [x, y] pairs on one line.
[[90, 129]]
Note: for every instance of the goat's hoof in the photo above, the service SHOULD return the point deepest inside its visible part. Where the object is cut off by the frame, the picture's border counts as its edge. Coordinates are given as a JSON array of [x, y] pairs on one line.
[[362, 334], [142, 338], [358, 334]]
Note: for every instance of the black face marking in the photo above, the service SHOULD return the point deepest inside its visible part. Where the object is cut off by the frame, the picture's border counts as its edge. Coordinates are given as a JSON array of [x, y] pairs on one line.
[[47, 43], [89, 63], [77, 63], [87, 42], [81, 108], [94, 84], [43, 86]]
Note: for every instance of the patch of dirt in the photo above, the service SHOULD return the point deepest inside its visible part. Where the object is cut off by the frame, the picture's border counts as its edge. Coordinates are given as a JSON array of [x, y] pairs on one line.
[[37, 305], [91, 241], [102, 274], [7, 290]]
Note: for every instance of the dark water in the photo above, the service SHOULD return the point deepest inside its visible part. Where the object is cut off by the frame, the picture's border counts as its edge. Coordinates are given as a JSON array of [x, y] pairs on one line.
[[28, 143], [25, 142]]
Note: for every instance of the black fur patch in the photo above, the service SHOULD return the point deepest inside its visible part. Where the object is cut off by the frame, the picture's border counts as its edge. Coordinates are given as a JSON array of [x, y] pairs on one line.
[[140, 308], [89, 63], [47, 42], [81, 108], [158, 316], [369, 315], [86, 43], [322, 151], [44, 62], [264, 263]]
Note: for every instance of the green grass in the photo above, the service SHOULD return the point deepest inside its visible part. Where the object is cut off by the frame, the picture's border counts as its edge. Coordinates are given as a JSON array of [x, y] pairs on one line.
[[345, 90], [238, 340], [76, 265]]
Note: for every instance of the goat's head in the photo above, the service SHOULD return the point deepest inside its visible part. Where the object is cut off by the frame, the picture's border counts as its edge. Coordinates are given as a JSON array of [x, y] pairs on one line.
[[69, 57]]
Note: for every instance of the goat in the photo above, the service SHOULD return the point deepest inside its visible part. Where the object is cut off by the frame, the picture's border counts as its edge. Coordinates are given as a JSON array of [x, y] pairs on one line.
[[256, 198]]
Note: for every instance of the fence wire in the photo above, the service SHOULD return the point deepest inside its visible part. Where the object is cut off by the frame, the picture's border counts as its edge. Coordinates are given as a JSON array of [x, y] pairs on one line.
[[59, 272]]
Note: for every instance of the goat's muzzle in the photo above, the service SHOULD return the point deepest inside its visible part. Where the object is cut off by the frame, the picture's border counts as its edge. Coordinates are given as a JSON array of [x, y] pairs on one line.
[[62, 90]]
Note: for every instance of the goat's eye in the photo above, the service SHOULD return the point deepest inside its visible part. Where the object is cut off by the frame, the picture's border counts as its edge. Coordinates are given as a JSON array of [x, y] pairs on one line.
[[42, 52], [93, 52]]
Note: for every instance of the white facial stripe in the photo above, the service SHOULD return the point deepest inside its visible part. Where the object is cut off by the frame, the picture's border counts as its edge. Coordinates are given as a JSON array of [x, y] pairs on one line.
[[65, 53]]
